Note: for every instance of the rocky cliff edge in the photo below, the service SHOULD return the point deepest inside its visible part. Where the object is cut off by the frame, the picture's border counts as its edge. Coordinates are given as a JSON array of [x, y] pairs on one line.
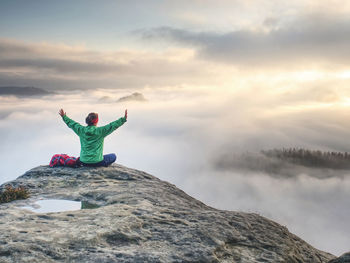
[[139, 218]]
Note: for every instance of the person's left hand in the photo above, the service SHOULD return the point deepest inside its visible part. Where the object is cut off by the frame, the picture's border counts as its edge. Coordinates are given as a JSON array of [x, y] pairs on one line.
[[61, 112]]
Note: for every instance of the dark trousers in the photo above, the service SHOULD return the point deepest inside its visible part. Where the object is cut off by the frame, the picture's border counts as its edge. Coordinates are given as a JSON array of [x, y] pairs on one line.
[[108, 159]]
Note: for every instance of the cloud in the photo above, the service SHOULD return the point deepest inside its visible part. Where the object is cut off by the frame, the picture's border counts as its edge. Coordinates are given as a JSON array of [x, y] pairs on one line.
[[313, 39], [23, 91], [61, 66], [51, 66]]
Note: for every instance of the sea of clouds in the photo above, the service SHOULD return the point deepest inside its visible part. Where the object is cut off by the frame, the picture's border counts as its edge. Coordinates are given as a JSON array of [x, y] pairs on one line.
[[182, 135]]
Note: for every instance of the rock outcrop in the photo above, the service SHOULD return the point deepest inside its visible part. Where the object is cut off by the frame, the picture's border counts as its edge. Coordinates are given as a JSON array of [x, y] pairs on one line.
[[140, 219]]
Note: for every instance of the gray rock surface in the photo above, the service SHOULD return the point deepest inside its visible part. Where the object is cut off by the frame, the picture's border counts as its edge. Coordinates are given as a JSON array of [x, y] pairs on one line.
[[140, 219]]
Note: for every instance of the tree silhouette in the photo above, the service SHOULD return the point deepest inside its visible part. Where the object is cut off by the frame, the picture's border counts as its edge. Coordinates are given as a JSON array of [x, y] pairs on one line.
[[311, 158]]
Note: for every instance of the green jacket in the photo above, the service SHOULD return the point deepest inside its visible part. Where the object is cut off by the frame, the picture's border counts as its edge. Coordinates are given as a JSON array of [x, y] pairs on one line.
[[92, 137]]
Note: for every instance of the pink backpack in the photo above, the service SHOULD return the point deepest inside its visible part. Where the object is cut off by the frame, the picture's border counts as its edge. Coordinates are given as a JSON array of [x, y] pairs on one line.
[[63, 160]]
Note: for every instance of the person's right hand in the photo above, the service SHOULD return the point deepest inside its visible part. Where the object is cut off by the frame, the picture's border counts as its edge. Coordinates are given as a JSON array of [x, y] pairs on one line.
[[61, 112], [126, 114]]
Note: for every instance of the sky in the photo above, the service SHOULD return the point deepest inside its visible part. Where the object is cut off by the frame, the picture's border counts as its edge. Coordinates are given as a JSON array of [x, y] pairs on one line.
[[220, 78]]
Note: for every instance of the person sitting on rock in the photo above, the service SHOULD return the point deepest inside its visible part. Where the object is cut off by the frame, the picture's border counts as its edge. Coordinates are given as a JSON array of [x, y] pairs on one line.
[[92, 138]]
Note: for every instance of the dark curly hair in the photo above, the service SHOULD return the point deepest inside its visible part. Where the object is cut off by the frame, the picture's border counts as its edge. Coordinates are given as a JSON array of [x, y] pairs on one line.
[[91, 119]]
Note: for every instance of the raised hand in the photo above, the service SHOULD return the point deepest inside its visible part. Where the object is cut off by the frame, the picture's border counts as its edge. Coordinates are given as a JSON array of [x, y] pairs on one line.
[[61, 112], [126, 114]]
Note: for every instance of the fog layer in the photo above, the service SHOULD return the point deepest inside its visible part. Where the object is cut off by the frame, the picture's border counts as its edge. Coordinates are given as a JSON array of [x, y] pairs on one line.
[[179, 137]]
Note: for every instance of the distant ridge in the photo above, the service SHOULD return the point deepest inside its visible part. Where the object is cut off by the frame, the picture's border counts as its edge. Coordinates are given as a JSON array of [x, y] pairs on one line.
[[311, 158], [288, 162], [23, 91], [136, 96]]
